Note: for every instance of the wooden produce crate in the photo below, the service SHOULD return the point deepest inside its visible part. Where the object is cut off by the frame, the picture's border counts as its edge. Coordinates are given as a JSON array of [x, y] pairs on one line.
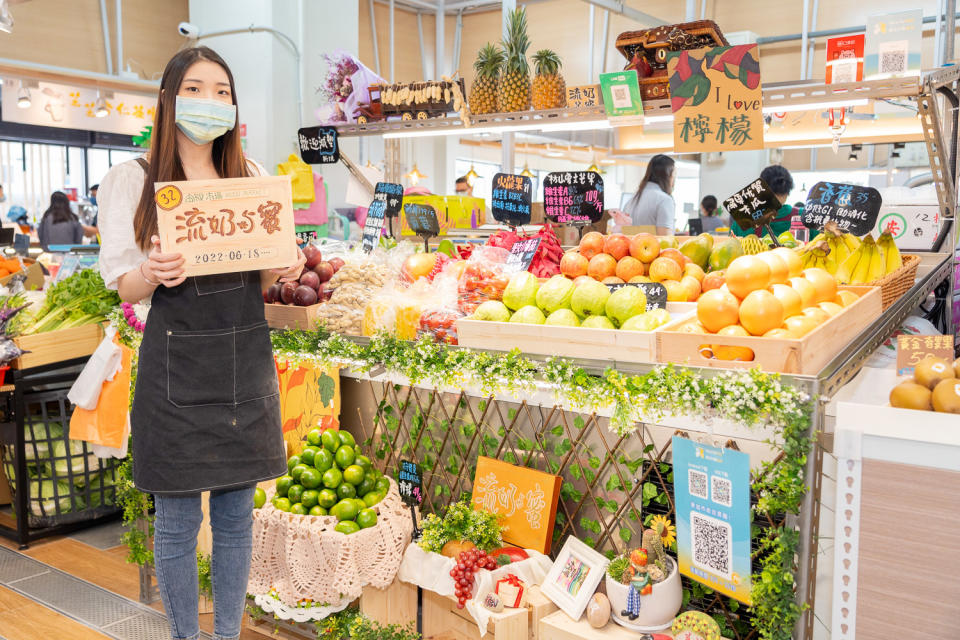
[[539, 607], [559, 626], [397, 604], [806, 356], [571, 342], [34, 275], [57, 346], [442, 620], [289, 316]]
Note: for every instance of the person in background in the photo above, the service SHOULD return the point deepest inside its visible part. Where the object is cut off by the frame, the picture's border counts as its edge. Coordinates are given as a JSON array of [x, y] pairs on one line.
[[463, 187], [17, 215], [781, 183], [90, 230], [653, 203], [59, 224], [709, 218]]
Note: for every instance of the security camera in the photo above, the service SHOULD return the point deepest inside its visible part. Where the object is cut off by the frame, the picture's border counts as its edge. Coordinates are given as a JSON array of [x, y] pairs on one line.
[[188, 30]]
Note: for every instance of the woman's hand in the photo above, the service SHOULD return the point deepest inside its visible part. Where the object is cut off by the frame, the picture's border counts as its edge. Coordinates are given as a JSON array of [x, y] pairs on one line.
[[291, 273], [163, 268]]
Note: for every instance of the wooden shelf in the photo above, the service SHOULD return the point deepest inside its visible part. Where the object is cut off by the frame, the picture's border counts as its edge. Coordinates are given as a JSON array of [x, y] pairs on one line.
[[559, 626]]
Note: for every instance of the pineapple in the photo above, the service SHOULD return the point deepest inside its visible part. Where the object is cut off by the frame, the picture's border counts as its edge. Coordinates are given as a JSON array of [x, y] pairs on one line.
[[549, 88], [483, 94], [514, 90]]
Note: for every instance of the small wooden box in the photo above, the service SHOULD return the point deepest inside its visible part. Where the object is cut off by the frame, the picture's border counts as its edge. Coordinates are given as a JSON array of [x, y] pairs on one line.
[[442, 619], [288, 316], [539, 606], [57, 346], [806, 356], [397, 604], [559, 626], [34, 275]]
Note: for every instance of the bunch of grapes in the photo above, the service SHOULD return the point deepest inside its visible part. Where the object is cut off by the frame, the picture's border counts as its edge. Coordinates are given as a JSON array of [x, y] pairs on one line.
[[468, 563]]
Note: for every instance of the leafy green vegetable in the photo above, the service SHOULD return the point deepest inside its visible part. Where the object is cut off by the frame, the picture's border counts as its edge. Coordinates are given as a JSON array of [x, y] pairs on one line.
[[461, 522], [76, 301]]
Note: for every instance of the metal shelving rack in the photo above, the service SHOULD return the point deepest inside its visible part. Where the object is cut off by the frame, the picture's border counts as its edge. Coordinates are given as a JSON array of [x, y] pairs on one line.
[[937, 94]]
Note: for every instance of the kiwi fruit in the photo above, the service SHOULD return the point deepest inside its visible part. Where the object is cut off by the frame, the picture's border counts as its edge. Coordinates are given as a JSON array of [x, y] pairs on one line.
[[946, 396], [910, 395], [931, 371]]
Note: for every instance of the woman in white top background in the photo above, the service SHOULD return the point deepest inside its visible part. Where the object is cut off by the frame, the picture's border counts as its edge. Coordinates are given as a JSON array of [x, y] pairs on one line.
[[653, 204]]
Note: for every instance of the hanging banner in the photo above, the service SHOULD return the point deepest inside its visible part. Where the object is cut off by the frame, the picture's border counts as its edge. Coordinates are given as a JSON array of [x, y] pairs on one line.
[[893, 45], [845, 59], [59, 105], [712, 497], [716, 98]]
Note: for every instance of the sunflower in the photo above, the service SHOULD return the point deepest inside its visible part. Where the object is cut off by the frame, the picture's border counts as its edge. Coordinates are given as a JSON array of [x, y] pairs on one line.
[[668, 533]]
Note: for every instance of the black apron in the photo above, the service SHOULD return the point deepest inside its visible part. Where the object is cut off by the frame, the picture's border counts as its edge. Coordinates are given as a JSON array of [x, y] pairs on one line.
[[206, 408]]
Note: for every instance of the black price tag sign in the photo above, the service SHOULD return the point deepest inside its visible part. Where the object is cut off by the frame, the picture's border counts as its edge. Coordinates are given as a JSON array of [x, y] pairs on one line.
[[409, 483], [303, 237], [753, 206], [854, 209], [373, 225], [656, 293], [422, 219], [521, 255], [318, 145], [392, 195], [573, 197], [511, 199]]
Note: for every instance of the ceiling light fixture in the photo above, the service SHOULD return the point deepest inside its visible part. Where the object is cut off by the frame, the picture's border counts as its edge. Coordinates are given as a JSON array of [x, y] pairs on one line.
[[550, 152], [414, 176], [526, 171], [100, 107], [23, 97], [471, 175]]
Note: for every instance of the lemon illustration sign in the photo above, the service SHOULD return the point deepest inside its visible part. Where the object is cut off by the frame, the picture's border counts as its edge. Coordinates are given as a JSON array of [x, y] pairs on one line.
[[309, 398]]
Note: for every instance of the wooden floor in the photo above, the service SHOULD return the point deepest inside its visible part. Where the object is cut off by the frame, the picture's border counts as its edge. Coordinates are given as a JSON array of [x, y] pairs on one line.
[[23, 619]]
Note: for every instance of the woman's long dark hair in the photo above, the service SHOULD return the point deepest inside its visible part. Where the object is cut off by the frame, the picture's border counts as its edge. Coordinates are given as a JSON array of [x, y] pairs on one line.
[[59, 209], [659, 170], [709, 204], [165, 165]]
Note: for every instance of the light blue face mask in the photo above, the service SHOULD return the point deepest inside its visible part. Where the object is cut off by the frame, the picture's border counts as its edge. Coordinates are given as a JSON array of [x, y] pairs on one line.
[[204, 120]]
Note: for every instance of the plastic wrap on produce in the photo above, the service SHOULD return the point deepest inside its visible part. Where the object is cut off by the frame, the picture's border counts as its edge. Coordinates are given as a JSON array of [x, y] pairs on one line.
[[483, 278]]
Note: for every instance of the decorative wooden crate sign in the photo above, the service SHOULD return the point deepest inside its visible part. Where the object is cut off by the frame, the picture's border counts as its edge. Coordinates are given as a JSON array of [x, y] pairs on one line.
[[319, 145], [854, 209], [229, 225], [525, 499], [581, 96], [573, 197], [912, 349]]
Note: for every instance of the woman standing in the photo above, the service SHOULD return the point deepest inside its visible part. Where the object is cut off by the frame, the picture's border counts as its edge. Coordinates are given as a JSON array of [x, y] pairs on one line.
[[653, 205], [59, 224], [205, 409]]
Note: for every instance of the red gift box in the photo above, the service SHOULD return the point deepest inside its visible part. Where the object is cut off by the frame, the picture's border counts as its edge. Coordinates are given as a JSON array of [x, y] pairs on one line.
[[511, 590]]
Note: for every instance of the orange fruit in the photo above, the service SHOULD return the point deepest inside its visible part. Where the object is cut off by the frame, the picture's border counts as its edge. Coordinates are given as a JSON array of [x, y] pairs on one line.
[[789, 256], [789, 298], [832, 308], [806, 290], [825, 284], [717, 309], [819, 315], [779, 270], [676, 256], [760, 312], [694, 270], [676, 292], [662, 269], [799, 326], [746, 274], [728, 352], [693, 327], [779, 332], [846, 298]]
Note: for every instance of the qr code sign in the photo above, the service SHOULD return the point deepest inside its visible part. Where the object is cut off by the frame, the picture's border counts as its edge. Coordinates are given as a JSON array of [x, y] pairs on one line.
[[893, 57], [720, 491], [712, 544], [698, 484], [621, 96]]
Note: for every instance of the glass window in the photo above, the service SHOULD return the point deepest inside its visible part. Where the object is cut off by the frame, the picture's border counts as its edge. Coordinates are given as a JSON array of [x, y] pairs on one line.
[[98, 163]]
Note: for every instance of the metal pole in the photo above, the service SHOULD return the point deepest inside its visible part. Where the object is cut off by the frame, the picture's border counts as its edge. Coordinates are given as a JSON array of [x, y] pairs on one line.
[[590, 47], [392, 76], [703, 9], [938, 35], [440, 48], [119, 12], [606, 41], [106, 36], [811, 48], [423, 53], [457, 42], [803, 37], [827, 33], [951, 30], [506, 141], [620, 8], [373, 32], [691, 10]]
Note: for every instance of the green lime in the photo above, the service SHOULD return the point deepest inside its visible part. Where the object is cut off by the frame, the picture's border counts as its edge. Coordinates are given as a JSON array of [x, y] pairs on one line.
[[367, 518], [353, 474], [332, 478], [318, 511], [295, 493], [308, 455], [327, 498], [368, 485], [323, 460], [310, 478], [346, 438], [346, 490], [282, 504], [345, 456], [259, 498], [310, 498], [292, 461], [314, 437], [298, 509], [347, 527], [361, 505], [297, 471], [283, 485], [345, 510], [372, 498], [330, 440], [364, 462], [383, 486]]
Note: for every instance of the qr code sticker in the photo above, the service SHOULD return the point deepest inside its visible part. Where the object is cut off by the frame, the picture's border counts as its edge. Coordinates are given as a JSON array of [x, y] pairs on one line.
[[845, 71], [698, 484], [893, 57], [720, 491], [621, 96], [712, 544]]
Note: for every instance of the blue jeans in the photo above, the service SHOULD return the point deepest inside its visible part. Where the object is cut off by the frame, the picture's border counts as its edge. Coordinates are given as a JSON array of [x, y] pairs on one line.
[[175, 555]]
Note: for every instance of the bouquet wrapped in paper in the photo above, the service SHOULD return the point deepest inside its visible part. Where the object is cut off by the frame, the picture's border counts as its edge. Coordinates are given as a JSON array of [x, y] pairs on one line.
[[346, 88]]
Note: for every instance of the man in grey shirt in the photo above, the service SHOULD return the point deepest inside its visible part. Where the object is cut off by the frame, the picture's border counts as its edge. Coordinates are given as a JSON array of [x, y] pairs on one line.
[[653, 203]]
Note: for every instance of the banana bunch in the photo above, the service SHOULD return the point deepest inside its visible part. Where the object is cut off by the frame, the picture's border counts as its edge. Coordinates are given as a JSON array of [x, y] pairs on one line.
[[891, 254], [841, 244], [818, 254], [866, 264]]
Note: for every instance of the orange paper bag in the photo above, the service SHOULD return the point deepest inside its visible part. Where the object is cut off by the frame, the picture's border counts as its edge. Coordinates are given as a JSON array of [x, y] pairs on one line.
[[107, 424]]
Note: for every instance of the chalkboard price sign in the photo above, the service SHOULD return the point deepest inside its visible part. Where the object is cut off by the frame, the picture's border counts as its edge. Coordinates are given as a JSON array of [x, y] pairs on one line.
[[422, 219], [392, 195], [573, 197], [753, 206], [373, 225], [511, 197], [854, 209], [521, 255], [656, 293], [409, 483], [319, 145]]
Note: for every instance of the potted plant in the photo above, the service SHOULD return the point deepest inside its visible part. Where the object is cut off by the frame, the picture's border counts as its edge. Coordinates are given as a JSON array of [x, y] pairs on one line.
[[643, 585]]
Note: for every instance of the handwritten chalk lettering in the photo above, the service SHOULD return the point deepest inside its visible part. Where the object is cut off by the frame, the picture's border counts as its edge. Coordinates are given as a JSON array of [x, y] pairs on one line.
[[851, 207], [753, 206], [319, 145]]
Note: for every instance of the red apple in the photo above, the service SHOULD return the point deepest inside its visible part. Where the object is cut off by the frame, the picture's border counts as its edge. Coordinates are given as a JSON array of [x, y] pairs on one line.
[[644, 247], [324, 271], [591, 244], [312, 253], [713, 280], [573, 264], [617, 245]]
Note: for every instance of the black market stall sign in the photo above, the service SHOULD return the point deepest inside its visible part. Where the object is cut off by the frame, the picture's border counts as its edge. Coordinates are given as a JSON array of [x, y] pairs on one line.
[[411, 492], [319, 145], [303, 237], [854, 209], [510, 199], [656, 293], [422, 219], [392, 195], [373, 225], [573, 197], [521, 255], [753, 206]]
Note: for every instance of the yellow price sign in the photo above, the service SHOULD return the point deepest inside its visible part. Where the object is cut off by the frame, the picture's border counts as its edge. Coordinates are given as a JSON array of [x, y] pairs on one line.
[[169, 197]]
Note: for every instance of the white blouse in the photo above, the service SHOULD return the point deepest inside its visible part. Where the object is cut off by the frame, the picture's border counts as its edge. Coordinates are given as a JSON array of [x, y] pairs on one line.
[[118, 197]]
